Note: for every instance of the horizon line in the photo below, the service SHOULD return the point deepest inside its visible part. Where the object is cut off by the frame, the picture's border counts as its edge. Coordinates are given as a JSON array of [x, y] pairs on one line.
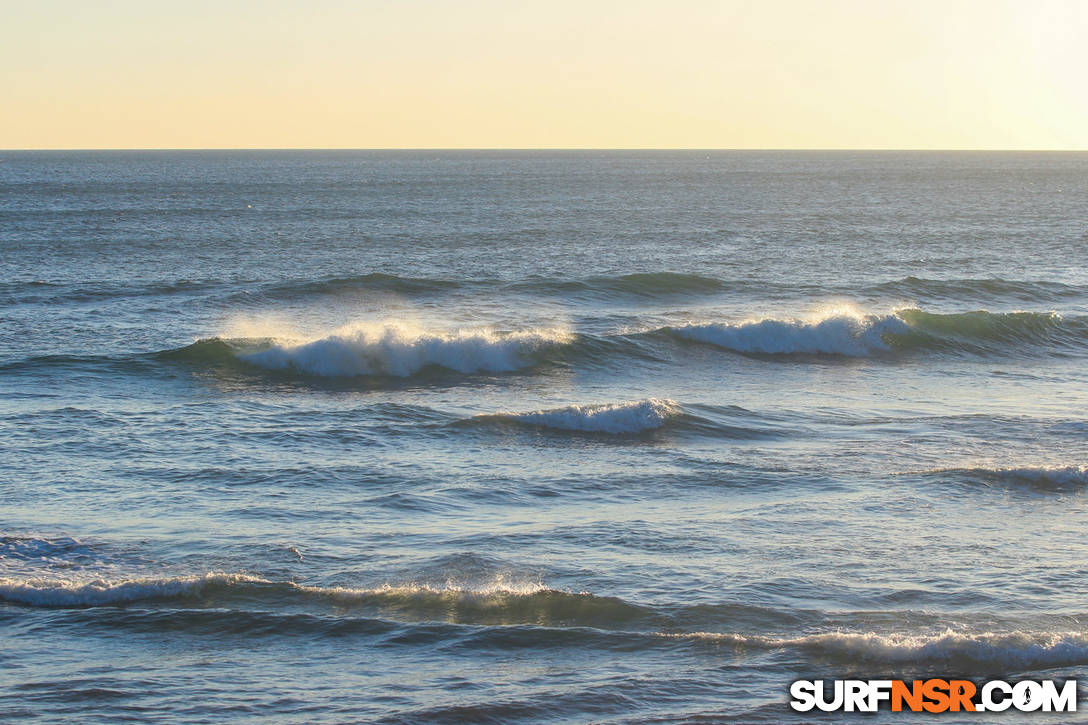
[[540, 148]]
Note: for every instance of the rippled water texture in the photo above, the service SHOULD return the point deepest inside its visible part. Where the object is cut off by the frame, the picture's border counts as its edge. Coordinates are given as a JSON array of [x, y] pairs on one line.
[[554, 437]]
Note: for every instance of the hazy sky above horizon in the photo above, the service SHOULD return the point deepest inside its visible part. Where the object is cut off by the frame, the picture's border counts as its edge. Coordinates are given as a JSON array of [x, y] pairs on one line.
[[492, 74]]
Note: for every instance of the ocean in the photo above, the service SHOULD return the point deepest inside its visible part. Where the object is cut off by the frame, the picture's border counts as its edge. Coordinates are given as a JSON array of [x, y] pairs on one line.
[[536, 436]]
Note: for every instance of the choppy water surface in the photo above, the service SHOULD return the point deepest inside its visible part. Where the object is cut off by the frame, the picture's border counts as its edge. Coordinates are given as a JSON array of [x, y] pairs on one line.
[[535, 437]]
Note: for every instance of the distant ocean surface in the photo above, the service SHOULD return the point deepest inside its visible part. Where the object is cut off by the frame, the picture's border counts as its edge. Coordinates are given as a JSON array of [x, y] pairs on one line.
[[555, 437]]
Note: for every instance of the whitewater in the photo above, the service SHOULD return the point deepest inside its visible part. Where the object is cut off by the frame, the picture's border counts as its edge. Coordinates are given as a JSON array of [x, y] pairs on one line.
[[544, 437]]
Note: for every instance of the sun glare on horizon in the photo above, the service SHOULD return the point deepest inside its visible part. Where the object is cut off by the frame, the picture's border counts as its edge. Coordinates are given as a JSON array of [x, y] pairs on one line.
[[487, 74]]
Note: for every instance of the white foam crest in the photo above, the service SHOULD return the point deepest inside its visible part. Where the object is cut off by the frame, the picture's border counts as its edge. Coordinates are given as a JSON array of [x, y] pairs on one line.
[[1005, 649], [615, 418], [1055, 476], [99, 592], [38, 550], [1042, 476], [840, 330], [42, 592], [25, 557], [401, 350], [498, 587]]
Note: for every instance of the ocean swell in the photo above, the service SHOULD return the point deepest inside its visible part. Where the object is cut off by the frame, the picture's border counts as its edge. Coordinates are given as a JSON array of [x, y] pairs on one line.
[[983, 290], [375, 281], [495, 602], [638, 285], [500, 602]]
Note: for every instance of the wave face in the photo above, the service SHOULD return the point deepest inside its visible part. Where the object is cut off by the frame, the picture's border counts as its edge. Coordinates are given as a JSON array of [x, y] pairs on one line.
[[994, 288], [1057, 477], [102, 592], [988, 651], [638, 286], [400, 351], [984, 332], [838, 334], [852, 334], [494, 602], [531, 603], [643, 284], [613, 418], [375, 281]]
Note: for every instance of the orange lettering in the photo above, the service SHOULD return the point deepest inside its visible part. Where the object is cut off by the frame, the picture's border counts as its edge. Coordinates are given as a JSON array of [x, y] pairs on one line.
[[961, 692], [912, 696], [937, 692]]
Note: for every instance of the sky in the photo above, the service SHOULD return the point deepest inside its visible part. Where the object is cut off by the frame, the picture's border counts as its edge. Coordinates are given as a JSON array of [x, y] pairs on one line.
[[872, 74]]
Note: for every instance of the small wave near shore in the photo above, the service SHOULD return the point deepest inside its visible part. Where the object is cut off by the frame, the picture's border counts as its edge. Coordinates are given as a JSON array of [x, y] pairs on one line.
[[1038, 477], [545, 612], [611, 418]]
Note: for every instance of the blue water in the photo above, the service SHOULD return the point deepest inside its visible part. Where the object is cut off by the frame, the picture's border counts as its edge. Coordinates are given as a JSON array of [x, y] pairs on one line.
[[563, 437]]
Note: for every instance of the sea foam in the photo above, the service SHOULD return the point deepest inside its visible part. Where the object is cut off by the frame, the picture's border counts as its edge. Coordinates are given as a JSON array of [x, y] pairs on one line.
[[101, 592], [615, 418], [1038, 476], [846, 331], [402, 350], [496, 599], [508, 602], [842, 332], [1000, 650]]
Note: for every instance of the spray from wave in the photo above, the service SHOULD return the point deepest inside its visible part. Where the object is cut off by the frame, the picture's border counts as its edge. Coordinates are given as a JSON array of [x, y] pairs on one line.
[[398, 349], [387, 349]]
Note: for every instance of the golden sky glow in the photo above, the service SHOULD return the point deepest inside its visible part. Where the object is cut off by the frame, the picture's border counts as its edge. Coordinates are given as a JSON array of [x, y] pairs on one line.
[[531, 74]]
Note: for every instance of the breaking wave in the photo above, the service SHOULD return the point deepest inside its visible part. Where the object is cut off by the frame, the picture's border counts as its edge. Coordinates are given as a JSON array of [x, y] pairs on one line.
[[395, 349], [385, 349], [838, 334], [402, 351], [1057, 477], [533, 604], [614, 418], [19, 548], [496, 602], [101, 592], [986, 651], [852, 334]]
